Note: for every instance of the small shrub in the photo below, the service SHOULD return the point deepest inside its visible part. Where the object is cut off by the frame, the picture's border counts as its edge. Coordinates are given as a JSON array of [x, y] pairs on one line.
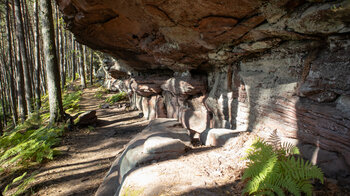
[[76, 76], [45, 105], [100, 92], [275, 168], [98, 95], [91, 128], [117, 97]]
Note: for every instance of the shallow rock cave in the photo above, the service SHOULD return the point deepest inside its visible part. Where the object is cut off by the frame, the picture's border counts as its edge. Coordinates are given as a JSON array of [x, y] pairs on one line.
[[241, 65]]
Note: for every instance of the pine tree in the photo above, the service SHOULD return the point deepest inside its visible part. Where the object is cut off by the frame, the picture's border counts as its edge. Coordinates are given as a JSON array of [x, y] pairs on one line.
[[52, 67], [24, 56]]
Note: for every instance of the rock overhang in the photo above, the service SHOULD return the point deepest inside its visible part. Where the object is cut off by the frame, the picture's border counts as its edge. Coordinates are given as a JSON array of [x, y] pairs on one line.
[[177, 35]]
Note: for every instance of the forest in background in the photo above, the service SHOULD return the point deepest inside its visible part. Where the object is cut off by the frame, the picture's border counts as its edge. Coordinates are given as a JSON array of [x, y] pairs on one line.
[[24, 72], [39, 61]]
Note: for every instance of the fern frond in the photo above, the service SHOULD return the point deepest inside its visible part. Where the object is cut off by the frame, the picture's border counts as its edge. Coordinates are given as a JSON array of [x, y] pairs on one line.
[[289, 149], [290, 185], [301, 170], [306, 187], [261, 158], [271, 188], [271, 170], [274, 140]]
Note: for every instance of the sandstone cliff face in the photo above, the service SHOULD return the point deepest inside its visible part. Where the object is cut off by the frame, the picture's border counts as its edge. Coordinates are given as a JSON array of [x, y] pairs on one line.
[[237, 64]]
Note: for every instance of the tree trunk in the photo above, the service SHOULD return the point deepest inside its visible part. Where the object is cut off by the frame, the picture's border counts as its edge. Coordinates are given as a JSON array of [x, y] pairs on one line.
[[29, 42], [20, 86], [63, 58], [19, 77], [52, 67], [73, 59], [82, 66], [37, 55], [91, 66], [2, 89], [11, 78], [24, 56], [57, 35]]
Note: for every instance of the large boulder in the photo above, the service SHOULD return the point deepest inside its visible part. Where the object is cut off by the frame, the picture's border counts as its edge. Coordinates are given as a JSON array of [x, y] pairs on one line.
[[161, 139], [86, 118]]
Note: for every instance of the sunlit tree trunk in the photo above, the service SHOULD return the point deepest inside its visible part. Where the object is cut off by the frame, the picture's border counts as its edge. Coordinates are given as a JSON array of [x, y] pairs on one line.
[[52, 67], [82, 66], [57, 34], [73, 58], [91, 66], [63, 57]]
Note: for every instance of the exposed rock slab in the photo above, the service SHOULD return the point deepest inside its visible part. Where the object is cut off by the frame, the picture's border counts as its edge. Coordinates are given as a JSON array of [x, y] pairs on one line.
[[162, 139], [217, 137], [212, 171]]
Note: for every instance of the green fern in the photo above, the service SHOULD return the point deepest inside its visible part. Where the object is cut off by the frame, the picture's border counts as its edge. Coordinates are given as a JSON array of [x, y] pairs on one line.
[[272, 169], [20, 183], [31, 146], [71, 101], [117, 97]]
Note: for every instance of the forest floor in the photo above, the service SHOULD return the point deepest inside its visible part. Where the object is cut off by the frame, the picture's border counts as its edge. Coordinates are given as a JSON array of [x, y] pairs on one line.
[[88, 153]]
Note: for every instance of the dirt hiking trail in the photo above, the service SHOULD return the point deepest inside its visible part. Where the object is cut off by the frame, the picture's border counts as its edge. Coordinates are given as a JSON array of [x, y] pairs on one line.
[[88, 153]]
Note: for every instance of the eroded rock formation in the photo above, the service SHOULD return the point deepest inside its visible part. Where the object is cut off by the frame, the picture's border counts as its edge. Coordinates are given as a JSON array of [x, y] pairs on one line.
[[234, 64]]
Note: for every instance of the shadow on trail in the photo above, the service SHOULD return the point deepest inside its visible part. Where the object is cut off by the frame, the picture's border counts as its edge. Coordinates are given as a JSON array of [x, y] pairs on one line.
[[110, 112], [84, 176], [81, 163], [102, 123], [129, 129], [89, 154], [83, 166]]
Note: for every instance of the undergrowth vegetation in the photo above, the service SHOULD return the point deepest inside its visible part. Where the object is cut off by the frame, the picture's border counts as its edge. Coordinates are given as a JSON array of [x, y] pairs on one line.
[[117, 97], [32, 142], [27, 145], [21, 183], [23, 147], [276, 168], [71, 101], [101, 91]]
